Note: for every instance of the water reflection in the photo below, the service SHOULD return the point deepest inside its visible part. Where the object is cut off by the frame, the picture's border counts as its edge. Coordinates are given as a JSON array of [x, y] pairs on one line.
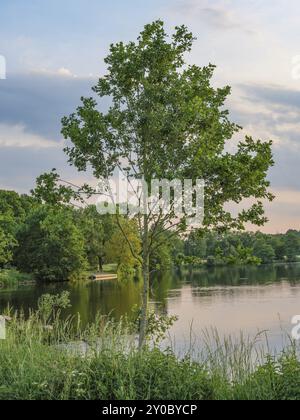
[[229, 298]]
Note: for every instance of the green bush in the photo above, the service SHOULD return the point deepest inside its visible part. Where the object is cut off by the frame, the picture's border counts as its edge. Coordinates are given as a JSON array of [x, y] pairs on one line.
[[51, 246], [13, 277]]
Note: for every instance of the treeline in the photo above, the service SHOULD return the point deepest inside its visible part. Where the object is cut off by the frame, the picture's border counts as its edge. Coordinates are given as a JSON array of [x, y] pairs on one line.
[[62, 242], [59, 243], [240, 248]]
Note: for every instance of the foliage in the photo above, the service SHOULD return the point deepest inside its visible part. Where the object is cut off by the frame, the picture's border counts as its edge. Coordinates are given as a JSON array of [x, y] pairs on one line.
[[97, 230], [163, 112], [292, 245], [50, 189], [7, 244], [117, 247], [37, 362], [13, 210], [264, 251], [49, 305], [162, 255], [166, 121], [241, 247], [15, 205], [101, 234], [182, 259], [12, 277], [50, 245], [158, 325]]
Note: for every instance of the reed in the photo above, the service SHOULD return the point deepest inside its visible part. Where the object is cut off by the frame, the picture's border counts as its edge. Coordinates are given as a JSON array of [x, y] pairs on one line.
[[47, 358]]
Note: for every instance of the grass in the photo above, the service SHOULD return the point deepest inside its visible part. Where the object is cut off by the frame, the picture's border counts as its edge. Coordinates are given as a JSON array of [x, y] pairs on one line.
[[45, 358], [110, 268], [107, 269], [13, 277]]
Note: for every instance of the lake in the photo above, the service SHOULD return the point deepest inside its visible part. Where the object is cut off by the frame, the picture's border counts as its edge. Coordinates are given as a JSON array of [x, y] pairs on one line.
[[230, 299]]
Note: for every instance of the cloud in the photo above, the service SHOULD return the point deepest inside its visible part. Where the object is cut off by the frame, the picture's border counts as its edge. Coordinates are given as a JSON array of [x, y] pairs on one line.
[[61, 72], [270, 110], [216, 14], [38, 101], [275, 95], [16, 136], [222, 19], [21, 166], [284, 211], [31, 107], [272, 113]]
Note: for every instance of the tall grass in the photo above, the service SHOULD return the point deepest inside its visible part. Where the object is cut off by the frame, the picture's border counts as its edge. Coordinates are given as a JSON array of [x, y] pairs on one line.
[[13, 277], [46, 358]]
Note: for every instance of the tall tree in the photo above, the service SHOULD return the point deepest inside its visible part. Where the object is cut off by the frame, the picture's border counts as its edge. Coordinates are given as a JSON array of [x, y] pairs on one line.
[[167, 121]]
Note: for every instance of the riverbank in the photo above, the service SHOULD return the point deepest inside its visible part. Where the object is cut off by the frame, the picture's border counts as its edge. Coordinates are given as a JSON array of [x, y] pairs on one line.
[[37, 372], [39, 362], [13, 277]]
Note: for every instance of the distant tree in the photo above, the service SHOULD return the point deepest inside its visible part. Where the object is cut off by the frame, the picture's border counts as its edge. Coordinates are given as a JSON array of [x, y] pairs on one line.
[[263, 251], [247, 239], [177, 247], [14, 205], [196, 245], [7, 245], [117, 247], [211, 261], [10, 204], [13, 210], [292, 245], [91, 227], [278, 244], [243, 256], [211, 243], [50, 245], [161, 256], [97, 230]]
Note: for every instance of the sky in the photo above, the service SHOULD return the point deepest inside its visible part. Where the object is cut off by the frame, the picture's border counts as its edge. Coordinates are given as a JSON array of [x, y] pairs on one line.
[[54, 53]]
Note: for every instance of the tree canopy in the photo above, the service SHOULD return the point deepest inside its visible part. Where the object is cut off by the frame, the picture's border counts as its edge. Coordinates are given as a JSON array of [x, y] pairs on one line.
[[167, 121], [51, 246]]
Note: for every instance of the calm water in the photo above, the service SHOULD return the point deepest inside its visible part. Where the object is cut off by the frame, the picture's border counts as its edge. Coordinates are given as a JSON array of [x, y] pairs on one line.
[[235, 299]]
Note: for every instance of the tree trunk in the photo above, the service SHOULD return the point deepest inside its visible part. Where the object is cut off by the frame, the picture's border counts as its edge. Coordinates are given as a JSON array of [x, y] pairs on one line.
[[145, 297], [100, 264]]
